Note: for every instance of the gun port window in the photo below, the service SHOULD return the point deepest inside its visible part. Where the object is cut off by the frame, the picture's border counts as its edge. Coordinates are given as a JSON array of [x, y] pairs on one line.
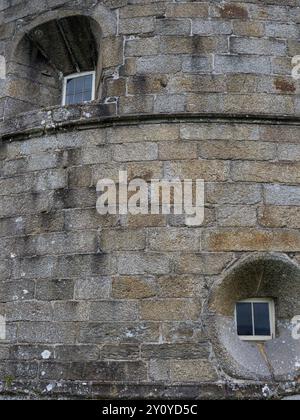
[[255, 320], [79, 88]]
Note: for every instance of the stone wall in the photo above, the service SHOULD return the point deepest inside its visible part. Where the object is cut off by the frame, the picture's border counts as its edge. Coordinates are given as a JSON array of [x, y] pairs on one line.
[[166, 57], [139, 306]]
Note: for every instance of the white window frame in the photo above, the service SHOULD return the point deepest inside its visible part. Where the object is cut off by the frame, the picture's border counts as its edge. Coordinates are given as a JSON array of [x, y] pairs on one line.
[[74, 76], [272, 311]]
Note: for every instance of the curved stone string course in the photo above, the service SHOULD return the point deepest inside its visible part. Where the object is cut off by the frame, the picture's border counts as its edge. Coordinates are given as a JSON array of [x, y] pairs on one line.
[[143, 306]]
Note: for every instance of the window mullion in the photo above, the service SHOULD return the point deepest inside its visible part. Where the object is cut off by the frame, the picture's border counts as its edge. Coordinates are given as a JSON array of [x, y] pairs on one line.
[[253, 320]]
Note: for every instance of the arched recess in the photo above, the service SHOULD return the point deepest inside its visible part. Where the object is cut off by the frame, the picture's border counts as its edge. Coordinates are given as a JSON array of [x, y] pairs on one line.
[[54, 45], [257, 276]]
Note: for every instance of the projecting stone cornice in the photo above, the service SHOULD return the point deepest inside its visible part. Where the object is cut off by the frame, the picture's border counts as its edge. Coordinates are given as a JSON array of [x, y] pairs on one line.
[[99, 115]]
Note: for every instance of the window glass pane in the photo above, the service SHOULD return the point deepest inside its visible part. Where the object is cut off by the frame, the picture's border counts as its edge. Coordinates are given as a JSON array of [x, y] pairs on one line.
[[244, 319], [262, 319], [78, 98], [88, 83], [70, 100], [79, 89], [87, 96], [79, 84], [70, 87]]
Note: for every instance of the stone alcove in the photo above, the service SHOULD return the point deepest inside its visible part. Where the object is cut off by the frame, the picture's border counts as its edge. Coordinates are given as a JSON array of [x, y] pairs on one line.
[[52, 45], [258, 276], [48, 53]]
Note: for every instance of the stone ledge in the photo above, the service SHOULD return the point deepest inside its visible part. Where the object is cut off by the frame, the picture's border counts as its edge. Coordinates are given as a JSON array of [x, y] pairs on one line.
[[200, 391], [79, 117]]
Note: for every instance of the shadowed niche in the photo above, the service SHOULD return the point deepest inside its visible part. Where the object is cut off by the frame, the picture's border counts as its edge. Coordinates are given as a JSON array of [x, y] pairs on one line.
[[258, 276], [262, 277], [45, 55]]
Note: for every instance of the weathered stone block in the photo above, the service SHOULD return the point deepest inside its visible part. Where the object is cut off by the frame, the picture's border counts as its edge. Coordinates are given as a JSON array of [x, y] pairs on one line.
[[170, 309], [16, 291], [172, 239], [204, 263], [143, 263], [120, 352], [266, 172], [133, 287], [29, 311], [257, 46], [233, 150], [46, 332], [122, 240], [277, 30], [175, 351], [197, 64], [285, 240], [147, 84], [279, 217], [282, 195], [135, 152], [199, 169], [169, 103], [173, 27], [77, 353], [178, 151], [212, 131], [142, 47], [242, 64], [193, 371], [98, 288], [143, 133], [119, 332], [32, 352], [21, 370], [54, 289], [248, 28], [139, 10], [139, 25], [235, 193], [175, 286], [68, 311], [108, 311], [204, 27], [159, 64], [235, 216], [191, 10], [183, 332], [115, 371], [197, 83], [136, 104], [112, 51]]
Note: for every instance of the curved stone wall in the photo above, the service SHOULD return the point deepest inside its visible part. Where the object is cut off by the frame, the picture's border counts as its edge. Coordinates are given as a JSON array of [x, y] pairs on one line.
[[166, 57], [143, 306]]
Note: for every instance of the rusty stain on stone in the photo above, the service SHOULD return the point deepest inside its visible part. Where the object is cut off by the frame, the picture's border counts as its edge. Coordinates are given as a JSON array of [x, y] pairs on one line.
[[285, 86]]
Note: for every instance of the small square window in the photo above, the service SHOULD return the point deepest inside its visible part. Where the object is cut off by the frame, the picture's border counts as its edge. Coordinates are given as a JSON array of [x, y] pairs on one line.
[[255, 320], [79, 88]]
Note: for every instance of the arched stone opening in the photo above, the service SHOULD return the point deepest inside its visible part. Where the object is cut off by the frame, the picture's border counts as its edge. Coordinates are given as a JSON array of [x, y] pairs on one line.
[[44, 55], [269, 276]]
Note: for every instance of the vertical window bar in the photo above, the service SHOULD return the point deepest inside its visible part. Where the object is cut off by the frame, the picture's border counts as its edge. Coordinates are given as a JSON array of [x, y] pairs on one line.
[[253, 319]]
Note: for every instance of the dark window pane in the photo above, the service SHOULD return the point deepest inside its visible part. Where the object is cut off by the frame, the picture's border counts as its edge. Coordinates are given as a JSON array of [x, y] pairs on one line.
[[70, 87], [87, 96], [88, 83], [244, 319], [78, 98], [69, 100], [262, 319], [79, 84]]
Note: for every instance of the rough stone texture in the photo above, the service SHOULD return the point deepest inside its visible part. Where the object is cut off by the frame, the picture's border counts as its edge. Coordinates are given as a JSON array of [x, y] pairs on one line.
[[143, 306]]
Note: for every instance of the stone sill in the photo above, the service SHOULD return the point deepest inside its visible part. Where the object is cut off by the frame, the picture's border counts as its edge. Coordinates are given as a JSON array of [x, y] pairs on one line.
[[39, 122]]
